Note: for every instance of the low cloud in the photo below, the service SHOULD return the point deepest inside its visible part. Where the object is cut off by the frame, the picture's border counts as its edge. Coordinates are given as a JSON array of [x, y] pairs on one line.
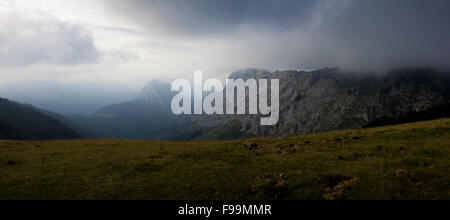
[[42, 39]]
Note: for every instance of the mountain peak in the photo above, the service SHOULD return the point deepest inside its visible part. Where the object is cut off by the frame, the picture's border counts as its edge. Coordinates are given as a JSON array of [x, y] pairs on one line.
[[157, 92]]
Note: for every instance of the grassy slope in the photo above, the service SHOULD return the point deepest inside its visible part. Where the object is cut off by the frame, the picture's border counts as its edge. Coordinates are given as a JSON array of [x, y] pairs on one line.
[[408, 161]]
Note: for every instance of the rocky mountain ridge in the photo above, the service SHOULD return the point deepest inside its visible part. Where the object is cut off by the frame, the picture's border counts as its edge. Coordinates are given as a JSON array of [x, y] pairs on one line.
[[330, 99]]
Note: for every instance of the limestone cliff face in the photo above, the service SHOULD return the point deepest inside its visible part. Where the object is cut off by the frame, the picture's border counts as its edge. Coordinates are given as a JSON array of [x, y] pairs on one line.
[[331, 99]]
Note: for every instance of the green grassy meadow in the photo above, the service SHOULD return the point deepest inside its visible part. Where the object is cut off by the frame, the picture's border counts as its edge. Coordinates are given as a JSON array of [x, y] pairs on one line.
[[403, 162]]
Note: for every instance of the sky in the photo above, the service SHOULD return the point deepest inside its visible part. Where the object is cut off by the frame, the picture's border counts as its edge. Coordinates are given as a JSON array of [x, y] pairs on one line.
[[125, 42]]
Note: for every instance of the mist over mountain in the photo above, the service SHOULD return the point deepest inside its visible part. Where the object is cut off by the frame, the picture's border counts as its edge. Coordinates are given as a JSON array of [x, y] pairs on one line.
[[130, 42], [310, 102], [70, 99]]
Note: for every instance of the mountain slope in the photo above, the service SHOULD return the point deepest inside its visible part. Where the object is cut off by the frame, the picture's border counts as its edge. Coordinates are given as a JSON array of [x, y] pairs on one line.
[[24, 122]]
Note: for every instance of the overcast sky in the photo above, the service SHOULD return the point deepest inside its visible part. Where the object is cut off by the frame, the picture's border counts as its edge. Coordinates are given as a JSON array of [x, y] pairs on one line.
[[131, 42]]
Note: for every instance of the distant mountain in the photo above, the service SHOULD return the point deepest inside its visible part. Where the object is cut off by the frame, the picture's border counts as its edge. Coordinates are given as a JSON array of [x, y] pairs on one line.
[[148, 117], [310, 102], [24, 122]]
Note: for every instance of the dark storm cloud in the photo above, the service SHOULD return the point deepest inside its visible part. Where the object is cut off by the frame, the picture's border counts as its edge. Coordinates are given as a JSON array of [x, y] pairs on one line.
[[387, 33], [199, 17], [45, 40], [373, 34]]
